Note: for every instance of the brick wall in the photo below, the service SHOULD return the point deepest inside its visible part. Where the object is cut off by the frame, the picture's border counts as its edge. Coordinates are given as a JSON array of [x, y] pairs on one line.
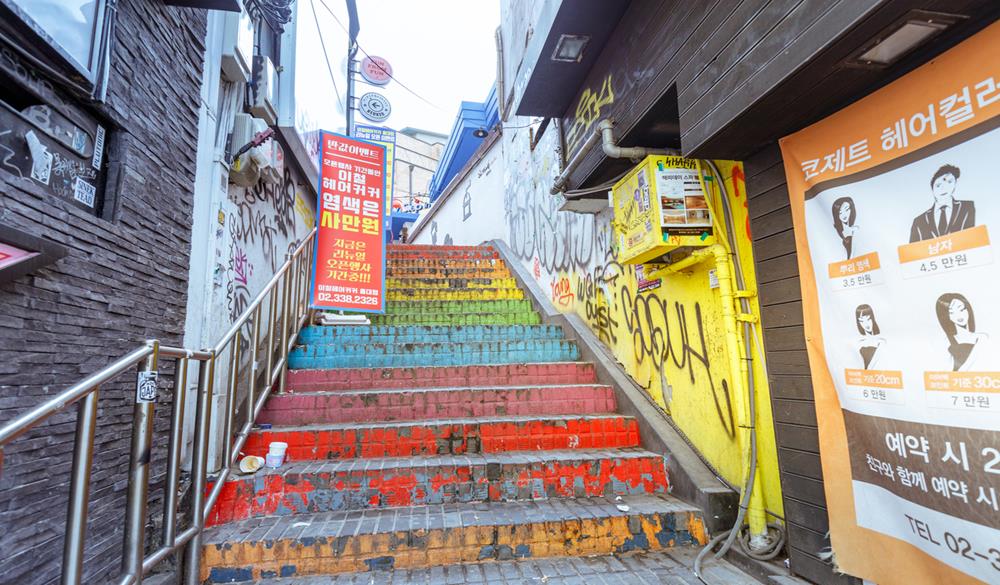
[[123, 281]]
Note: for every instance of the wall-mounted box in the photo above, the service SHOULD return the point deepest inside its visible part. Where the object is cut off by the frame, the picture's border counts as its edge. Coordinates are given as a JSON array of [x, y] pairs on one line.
[[237, 47], [660, 207]]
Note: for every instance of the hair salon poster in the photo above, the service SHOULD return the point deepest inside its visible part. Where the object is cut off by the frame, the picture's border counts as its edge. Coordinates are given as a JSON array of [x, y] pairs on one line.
[[896, 205]]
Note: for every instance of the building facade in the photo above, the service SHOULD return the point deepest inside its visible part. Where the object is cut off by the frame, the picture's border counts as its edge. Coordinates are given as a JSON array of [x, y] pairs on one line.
[[99, 134]]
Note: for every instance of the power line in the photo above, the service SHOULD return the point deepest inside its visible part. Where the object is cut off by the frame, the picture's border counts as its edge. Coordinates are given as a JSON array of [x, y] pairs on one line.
[[403, 85], [326, 55]]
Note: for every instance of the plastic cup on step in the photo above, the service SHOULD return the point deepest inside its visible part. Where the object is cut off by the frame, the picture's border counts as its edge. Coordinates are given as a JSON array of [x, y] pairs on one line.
[[276, 454]]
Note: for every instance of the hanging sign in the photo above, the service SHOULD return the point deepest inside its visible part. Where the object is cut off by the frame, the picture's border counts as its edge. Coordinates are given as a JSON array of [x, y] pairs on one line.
[[385, 137], [349, 265], [376, 70], [375, 107], [894, 204]]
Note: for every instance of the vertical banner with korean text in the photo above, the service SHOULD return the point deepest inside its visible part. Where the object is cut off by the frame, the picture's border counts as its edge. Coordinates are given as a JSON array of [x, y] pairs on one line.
[[895, 201], [385, 137], [349, 266]]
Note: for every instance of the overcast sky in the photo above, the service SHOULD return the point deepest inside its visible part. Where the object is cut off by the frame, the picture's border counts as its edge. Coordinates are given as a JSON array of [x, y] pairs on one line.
[[444, 50]]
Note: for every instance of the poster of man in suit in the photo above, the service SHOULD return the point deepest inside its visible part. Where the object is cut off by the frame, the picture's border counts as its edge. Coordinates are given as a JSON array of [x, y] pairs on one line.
[[948, 215]]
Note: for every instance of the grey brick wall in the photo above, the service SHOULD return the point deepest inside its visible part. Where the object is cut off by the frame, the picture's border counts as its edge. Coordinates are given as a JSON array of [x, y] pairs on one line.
[[123, 281]]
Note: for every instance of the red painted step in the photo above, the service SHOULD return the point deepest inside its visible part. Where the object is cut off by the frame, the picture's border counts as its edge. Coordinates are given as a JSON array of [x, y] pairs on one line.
[[333, 486], [307, 408], [449, 436], [444, 376]]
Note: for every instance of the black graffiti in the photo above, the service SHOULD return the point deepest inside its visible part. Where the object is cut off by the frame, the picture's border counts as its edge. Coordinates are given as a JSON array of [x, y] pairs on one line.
[[265, 213], [562, 241], [673, 345], [592, 290]]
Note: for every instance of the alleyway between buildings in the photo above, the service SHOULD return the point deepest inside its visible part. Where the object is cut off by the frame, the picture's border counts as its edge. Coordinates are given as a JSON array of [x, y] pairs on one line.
[[456, 439]]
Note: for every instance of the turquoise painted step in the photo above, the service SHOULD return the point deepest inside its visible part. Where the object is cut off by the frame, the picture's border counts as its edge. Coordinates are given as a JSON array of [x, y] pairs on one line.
[[467, 307], [403, 355], [429, 333], [519, 318]]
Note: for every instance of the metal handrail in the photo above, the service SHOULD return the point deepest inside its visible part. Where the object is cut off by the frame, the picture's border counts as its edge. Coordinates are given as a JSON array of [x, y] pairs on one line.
[[287, 293]]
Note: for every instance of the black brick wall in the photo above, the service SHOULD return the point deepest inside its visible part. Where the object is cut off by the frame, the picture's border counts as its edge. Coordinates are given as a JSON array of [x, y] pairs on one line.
[[123, 281]]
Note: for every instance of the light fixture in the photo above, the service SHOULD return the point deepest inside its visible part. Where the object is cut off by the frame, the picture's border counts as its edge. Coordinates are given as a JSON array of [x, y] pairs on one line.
[[905, 35], [569, 48], [479, 133]]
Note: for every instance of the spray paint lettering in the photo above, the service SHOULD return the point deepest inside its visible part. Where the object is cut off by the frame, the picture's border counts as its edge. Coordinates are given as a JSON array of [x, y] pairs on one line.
[[588, 110], [562, 292]]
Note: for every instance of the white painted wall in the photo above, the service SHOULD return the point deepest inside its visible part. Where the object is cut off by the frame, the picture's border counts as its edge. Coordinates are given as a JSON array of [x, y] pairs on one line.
[[470, 211]]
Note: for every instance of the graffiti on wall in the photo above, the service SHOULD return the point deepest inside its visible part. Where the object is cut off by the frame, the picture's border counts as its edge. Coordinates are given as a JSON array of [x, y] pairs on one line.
[[588, 110]]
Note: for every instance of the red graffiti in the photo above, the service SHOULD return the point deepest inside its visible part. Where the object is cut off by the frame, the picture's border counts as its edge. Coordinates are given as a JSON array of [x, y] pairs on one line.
[[562, 292], [537, 269], [740, 179]]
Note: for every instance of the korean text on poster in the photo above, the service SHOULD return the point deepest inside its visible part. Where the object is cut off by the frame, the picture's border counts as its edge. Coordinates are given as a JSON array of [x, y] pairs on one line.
[[349, 265]]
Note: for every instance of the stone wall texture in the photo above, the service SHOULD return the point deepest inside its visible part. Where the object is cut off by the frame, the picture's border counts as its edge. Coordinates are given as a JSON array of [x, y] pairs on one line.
[[123, 281]]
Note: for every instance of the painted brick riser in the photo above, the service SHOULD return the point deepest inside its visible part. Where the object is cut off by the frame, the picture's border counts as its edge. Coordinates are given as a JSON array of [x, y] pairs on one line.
[[473, 294], [314, 408], [432, 334], [428, 354], [442, 377], [445, 283], [353, 487], [422, 547], [420, 439]]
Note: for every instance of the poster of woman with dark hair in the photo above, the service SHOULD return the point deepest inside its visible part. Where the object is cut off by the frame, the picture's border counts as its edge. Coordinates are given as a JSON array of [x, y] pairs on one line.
[[844, 216], [871, 343], [965, 345]]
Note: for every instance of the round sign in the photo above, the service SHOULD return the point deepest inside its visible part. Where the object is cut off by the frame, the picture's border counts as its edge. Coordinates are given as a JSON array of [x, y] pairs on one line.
[[376, 70], [375, 107]]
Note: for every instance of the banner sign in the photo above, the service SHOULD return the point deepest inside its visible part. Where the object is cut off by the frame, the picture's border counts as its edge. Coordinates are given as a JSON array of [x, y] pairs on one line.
[[349, 265], [387, 138], [895, 202]]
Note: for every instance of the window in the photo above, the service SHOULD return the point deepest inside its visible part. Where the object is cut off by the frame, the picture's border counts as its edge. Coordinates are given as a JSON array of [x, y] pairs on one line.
[[73, 29]]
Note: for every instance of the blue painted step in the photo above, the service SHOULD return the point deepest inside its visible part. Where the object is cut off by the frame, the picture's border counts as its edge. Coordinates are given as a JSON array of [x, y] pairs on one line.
[[402, 355], [429, 333]]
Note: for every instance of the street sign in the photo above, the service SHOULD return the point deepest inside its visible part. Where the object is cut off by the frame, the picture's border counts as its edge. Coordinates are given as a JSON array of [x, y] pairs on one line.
[[376, 70], [375, 107]]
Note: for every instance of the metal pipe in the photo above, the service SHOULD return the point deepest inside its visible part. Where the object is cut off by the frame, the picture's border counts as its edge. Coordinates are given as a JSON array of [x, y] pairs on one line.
[[138, 485], [174, 452], [165, 551], [562, 180], [79, 493], [271, 310], [254, 364], [231, 391], [199, 467], [28, 420], [286, 300], [612, 150]]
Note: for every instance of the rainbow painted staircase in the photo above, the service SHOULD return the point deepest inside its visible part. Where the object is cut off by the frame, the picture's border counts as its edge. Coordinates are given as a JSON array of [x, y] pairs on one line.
[[454, 431]]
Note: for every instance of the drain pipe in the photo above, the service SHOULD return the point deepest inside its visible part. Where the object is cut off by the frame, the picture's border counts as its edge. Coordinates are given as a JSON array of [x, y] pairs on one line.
[[605, 133]]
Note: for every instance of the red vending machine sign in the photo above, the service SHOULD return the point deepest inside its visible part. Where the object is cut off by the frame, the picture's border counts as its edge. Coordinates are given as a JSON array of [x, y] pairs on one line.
[[349, 269]]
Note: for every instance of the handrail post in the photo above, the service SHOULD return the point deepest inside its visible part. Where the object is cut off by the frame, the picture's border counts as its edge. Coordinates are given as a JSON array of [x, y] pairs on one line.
[[271, 324], [79, 498], [138, 484], [286, 300], [254, 363], [174, 457], [233, 386], [199, 468]]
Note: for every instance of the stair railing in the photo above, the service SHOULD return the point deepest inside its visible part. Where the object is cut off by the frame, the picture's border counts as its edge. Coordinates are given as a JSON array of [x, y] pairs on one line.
[[264, 366]]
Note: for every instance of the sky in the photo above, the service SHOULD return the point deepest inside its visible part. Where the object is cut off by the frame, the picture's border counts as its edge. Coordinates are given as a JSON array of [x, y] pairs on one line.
[[443, 50]]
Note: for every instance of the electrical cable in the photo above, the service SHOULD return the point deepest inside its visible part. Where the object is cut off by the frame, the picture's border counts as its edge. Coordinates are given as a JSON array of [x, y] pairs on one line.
[[401, 84], [326, 55]]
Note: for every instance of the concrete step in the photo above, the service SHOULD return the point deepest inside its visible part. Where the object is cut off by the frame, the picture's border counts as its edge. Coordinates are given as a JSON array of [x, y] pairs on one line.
[[442, 264], [450, 283], [459, 307], [454, 436], [442, 534], [380, 355], [460, 318], [458, 269], [294, 409], [440, 294], [442, 252], [386, 334], [666, 567], [442, 376], [317, 486]]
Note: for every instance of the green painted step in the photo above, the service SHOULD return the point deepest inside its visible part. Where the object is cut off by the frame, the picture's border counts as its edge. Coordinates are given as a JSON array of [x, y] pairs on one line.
[[514, 318]]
